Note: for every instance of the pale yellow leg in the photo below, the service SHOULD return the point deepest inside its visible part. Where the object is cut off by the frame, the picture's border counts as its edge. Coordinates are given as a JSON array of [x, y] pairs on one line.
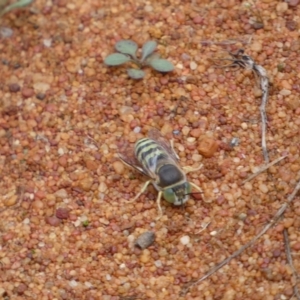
[[172, 146], [189, 169], [158, 205], [141, 192], [198, 189]]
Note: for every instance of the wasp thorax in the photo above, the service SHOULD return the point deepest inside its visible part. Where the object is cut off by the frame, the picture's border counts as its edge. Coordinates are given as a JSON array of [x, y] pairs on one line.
[[169, 175]]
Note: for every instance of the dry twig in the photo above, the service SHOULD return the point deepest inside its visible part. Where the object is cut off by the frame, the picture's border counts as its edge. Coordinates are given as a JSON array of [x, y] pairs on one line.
[[273, 221], [243, 40], [290, 261], [242, 60], [262, 169]]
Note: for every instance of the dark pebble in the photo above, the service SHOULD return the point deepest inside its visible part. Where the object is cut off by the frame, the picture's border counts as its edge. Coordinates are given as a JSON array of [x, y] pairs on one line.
[[145, 240], [14, 88], [40, 96]]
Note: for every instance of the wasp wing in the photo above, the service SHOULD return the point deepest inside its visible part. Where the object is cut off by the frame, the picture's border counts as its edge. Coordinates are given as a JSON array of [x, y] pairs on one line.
[[126, 155], [155, 135]]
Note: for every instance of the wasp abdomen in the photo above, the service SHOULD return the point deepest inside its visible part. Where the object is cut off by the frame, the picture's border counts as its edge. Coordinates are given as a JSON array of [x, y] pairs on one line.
[[149, 152], [169, 175]]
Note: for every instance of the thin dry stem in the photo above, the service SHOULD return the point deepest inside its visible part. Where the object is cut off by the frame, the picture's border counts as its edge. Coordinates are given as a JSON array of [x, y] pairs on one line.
[[271, 223], [242, 60], [264, 168], [290, 261]]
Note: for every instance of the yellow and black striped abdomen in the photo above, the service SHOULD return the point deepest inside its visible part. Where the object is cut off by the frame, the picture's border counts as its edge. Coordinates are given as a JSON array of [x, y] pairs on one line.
[[150, 154]]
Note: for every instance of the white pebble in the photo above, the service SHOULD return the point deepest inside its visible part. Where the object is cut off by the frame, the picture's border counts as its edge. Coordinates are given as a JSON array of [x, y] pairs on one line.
[[47, 42], [191, 139], [108, 277], [158, 263], [62, 193], [26, 221], [244, 125], [73, 283], [88, 284], [185, 130], [185, 56], [137, 129], [6, 32], [236, 160], [193, 65], [185, 240], [60, 151], [196, 157], [52, 235], [102, 187], [285, 92], [263, 188], [148, 8]]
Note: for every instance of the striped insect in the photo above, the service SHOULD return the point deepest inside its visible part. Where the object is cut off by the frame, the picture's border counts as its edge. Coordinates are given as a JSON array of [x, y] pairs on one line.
[[154, 157]]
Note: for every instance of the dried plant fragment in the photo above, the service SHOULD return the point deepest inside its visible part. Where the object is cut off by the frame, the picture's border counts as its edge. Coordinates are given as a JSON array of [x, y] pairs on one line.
[[242, 60]]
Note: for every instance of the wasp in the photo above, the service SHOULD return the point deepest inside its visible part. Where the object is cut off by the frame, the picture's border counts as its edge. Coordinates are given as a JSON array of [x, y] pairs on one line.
[[156, 158]]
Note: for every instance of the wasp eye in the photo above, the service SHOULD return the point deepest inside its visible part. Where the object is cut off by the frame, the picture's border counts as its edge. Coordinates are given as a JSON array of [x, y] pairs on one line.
[[169, 195]]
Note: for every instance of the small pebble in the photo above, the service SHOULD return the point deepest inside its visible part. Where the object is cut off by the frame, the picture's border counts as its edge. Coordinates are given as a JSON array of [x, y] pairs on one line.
[[145, 240], [282, 7], [85, 183], [6, 32], [10, 201], [14, 87], [293, 3], [21, 289], [158, 263], [47, 42], [207, 146], [256, 46], [62, 193], [285, 92], [27, 92], [73, 283], [193, 65], [119, 167], [62, 213], [263, 188], [296, 246], [53, 221], [185, 240]]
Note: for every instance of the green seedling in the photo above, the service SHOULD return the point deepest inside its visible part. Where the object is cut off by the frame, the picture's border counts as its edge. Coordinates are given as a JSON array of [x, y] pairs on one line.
[[5, 7], [127, 52], [280, 67], [85, 223]]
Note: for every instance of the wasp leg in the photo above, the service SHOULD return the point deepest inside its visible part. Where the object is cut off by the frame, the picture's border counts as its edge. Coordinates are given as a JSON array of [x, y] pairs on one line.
[[172, 146], [141, 192], [189, 169], [198, 188], [158, 206]]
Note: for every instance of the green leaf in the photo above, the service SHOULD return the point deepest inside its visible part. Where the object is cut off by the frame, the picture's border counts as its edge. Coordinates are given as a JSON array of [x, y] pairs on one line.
[[148, 48], [18, 4], [116, 59], [127, 47], [135, 73], [161, 65]]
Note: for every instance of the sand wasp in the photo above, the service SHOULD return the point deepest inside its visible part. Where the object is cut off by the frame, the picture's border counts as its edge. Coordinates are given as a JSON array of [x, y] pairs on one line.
[[156, 158]]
